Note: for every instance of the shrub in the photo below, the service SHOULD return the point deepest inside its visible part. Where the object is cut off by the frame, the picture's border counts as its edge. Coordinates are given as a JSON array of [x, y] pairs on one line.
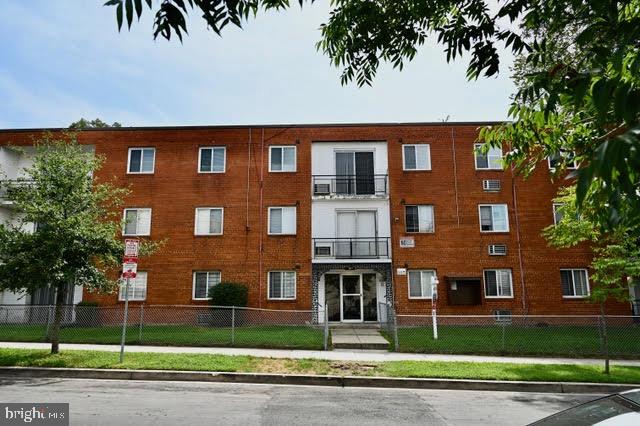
[[229, 294]]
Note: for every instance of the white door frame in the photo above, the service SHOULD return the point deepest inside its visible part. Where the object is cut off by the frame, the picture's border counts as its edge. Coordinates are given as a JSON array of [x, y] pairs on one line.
[[342, 294]]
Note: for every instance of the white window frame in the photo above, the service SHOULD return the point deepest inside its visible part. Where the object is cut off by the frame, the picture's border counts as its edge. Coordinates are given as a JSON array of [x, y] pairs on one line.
[[137, 234], [572, 166], [573, 283], [123, 283], [422, 271], [295, 158], [555, 207], [193, 287], [295, 285], [498, 287], [506, 206], [295, 213], [433, 219], [224, 159], [153, 169], [476, 147], [404, 164], [195, 226]]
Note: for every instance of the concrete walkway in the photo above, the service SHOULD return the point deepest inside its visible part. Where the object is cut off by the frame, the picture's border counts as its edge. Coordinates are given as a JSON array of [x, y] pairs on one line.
[[336, 355]]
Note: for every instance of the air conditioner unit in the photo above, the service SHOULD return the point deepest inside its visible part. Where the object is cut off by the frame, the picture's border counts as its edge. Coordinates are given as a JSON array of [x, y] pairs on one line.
[[322, 189], [491, 185], [497, 249], [323, 251]]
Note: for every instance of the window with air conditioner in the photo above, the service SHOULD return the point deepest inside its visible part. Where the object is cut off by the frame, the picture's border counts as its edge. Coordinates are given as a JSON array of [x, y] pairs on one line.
[[137, 222], [497, 249], [491, 160], [491, 185], [493, 218], [575, 282]]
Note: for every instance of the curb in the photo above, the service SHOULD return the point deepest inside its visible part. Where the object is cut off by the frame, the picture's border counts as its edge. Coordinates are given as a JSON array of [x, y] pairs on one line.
[[310, 380]]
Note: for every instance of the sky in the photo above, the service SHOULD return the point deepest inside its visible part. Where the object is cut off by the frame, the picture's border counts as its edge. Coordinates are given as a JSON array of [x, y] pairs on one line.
[[62, 60]]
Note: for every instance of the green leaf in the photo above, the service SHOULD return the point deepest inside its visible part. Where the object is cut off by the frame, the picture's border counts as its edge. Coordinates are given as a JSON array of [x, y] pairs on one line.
[[129, 8]]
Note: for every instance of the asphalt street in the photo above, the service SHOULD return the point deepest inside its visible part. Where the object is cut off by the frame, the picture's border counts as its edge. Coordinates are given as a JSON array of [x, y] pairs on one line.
[[115, 402]]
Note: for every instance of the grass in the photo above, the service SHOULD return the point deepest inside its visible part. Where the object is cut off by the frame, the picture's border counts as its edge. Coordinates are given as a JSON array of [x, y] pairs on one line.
[[288, 337], [573, 341], [224, 363]]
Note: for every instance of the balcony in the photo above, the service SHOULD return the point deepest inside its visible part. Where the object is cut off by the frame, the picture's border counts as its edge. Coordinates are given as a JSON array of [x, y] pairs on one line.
[[350, 186], [351, 248]]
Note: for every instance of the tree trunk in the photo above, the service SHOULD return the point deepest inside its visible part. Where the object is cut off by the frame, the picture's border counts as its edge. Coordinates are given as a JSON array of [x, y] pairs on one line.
[[54, 335], [605, 339]]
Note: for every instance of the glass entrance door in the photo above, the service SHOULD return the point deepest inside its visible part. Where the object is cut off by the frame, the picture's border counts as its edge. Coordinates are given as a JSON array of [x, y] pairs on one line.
[[351, 297]]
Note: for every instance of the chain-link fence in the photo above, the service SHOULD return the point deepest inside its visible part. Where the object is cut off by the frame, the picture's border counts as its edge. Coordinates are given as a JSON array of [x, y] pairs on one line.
[[549, 335], [166, 325]]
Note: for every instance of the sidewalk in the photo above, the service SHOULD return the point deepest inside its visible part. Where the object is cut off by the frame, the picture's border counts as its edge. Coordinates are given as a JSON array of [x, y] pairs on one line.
[[336, 355]]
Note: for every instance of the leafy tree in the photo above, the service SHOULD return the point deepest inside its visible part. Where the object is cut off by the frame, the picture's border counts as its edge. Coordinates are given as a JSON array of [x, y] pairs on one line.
[[76, 241], [589, 106], [92, 124]]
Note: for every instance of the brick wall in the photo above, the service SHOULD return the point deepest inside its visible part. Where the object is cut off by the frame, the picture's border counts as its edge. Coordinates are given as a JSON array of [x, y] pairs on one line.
[[245, 252]]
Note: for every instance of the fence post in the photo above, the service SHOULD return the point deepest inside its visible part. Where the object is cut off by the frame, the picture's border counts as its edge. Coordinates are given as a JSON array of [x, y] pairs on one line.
[[233, 325], [326, 326], [141, 323], [396, 344]]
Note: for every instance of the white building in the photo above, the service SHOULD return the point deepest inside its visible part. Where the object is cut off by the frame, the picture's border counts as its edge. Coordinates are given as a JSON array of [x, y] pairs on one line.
[[351, 230]]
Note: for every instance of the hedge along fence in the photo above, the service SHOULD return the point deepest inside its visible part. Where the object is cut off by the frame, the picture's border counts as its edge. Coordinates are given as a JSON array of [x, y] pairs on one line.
[[166, 325]]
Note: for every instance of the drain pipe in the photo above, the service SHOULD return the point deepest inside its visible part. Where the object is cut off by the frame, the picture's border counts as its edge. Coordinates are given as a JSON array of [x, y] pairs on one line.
[[261, 231], [515, 208], [455, 175]]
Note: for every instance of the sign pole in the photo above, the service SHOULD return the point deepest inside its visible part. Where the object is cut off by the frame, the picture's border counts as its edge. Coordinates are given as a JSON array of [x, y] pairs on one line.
[[124, 321], [434, 306]]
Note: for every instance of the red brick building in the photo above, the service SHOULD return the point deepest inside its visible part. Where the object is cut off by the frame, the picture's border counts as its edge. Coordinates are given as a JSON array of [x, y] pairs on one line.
[[344, 215]]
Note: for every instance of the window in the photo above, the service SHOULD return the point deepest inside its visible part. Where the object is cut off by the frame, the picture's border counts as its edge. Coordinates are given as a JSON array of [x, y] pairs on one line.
[[212, 159], [557, 213], [420, 285], [137, 222], [282, 220], [282, 159], [494, 218], [562, 157], [492, 160], [282, 285], [416, 157], [419, 218], [202, 283], [137, 287], [497, 283], [141, 160], [209, 221], [575, 282]]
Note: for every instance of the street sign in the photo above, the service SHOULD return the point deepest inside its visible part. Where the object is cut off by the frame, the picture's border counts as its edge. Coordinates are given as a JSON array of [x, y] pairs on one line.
[[129, 270], [131, 248]]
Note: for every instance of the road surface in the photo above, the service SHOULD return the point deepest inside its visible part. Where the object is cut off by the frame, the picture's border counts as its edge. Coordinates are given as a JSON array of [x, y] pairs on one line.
[[119, 402]]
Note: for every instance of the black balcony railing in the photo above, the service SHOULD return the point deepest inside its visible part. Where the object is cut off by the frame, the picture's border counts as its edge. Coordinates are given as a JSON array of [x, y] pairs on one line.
[[350, 185], [351, 248]]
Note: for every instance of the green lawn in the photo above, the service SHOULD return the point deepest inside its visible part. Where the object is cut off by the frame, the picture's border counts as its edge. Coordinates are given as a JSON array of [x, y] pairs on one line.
[[569, 341], [422, 369], [258, 337]]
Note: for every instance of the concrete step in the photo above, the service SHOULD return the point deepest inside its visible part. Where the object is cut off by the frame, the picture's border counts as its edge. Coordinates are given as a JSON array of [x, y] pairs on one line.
[[362, 338]]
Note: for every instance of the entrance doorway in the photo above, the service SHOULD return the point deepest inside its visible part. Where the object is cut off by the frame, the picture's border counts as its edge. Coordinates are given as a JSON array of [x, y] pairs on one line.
[[351, 297]]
